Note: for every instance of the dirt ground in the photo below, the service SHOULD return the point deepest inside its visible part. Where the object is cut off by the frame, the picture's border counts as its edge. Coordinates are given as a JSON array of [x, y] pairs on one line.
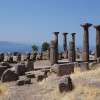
[[86, 86]]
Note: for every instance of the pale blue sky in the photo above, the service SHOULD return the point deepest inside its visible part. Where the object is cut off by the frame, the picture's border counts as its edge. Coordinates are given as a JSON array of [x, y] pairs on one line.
[[34, 21]]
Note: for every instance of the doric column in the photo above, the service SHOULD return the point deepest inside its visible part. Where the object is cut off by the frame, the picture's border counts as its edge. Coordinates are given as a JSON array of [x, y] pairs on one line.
[[71, 52], [56, 42], [85, 54], [73, 40], [53, 52], [97, 54], [73, 37], [64, 41]]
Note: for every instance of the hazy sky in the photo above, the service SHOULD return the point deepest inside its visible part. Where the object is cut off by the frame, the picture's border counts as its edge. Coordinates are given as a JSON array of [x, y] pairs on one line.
[[35, 21]]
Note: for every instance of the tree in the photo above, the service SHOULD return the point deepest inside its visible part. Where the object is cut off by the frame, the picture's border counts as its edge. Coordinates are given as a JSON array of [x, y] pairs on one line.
[[35, 48], [45, 46]]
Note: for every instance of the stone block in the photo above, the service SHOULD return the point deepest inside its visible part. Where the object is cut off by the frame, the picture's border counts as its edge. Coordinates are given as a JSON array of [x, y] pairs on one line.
[[27, 56], [85, 56], [1, 56], [41, 77], [71, 56], [30, 75], [20, 69], [65, 84], [8, 76], [9, 59], [45, 55], [84, 66], [20, 82], [65, 55], [71, 46], [29, 65], [63, 69], [27, 81], [5, 64], [59, 56], [18, 58], [98, 60], [2, 69], [33, 55], [9, 54]]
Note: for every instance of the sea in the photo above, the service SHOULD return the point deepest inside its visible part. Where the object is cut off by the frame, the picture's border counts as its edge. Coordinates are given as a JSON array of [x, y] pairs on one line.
[[22, 47]]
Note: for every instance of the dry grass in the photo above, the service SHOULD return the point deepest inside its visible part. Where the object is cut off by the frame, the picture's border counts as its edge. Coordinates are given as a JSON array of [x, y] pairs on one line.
[[80, 92], [48, 88], [3, 91]]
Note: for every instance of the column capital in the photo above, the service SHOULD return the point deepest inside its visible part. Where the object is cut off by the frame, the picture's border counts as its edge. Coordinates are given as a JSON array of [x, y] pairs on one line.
[[97, 26], [56, 33], [85, 25], [64, 33], [73, 34]]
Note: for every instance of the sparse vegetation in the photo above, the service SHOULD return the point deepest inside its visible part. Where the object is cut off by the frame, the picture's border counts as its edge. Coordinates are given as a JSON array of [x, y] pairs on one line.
[[3, 91], [82, 87], [45, 46], [35, 48]]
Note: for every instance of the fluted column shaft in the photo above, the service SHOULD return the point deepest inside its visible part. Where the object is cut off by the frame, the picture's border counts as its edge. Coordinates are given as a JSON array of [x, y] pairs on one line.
[[73, 40], [97, 54], [64, 41], [56, 42], [85, 54]]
